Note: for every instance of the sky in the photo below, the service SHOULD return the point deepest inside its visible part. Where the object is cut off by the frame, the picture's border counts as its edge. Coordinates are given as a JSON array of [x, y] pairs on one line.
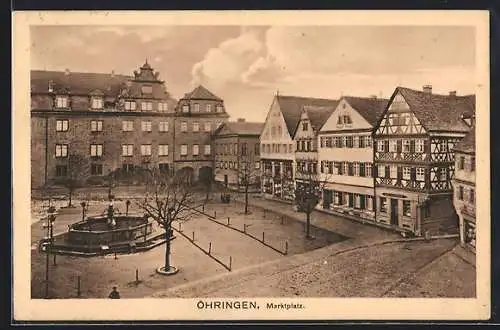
[[248, 65]]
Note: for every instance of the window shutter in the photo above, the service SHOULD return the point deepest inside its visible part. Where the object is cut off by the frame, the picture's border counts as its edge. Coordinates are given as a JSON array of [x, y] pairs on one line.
[[350, 170], [399, 173], [399, 147], [412, 146], [341, 168], [362, 202], [387, 171], [375, 171], [386, 148], [413, 174], [361, 169]]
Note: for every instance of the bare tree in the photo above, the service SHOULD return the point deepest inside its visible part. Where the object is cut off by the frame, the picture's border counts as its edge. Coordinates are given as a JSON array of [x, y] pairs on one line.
[[308, 191], [77, 172], [169, 198], [248, 173]]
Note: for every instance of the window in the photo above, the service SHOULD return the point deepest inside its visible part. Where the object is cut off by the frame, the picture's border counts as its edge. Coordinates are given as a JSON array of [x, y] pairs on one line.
[[305, 126], [232, 148], [349, 142], [96, 103], [357, 201], [220, 108], [256, 149], [146, 126], [184, 150], [461, 162], [128, 167], [381, 171], [381, 146], [146, 106], [96, 169], [393, 172], [61, 126], [96, 150], [419, 145], [443, 144], [207, 149], [96, 126], [147, 89], [163, 106], [393, 146], [368, 141], [196, 127], [472, 196], [356, 169], [61, 170], [407, 208], [345, 169], [406, 173], [196, 150], [127, 125], [163, 126], [163, 150], [289, 148], [460, 193], [61, 102], [163, 167], [383, 204], [368, 170], [208, 108], [196, 107], [257, 165], [127, 150], [61, 150], [355, 141], [406, 145], [184, 127], [185, 108], [344, 142], [208, 127], [130, 105], [347, 119], [473, 164], [420, 173], [369, 203], [244, 149], [443, 174]]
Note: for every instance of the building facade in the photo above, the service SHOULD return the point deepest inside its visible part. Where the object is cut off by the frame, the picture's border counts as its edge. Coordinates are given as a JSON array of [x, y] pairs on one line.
[[278, 146], [415, 161], [237, 154], [197, 116], [464, 186], [111, 123], [346, 157]]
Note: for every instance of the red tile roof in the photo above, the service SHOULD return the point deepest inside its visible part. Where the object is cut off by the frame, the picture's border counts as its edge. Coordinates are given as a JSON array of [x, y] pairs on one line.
[[242, 128], [468, 143], [318, 115], [200, 93]]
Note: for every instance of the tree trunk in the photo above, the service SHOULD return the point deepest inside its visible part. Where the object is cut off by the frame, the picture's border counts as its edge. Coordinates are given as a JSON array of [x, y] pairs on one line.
[[70, 197], [167, 247], [246, 198], [308, 223]]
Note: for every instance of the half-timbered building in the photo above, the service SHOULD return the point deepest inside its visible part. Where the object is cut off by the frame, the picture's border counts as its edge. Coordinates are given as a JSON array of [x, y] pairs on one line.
[[415, 162], [346, 156]]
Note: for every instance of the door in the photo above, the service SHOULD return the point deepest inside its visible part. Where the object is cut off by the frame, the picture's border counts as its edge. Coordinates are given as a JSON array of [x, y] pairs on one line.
[[327, 199], [394, 212], [225, 180]]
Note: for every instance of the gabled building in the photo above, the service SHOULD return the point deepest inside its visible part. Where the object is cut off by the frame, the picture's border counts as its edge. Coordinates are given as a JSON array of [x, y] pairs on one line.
[[113, 122], [197, 115], [464, 186], [278, 146], [236, 144], [415, 161], [346, 156], [312, 119]]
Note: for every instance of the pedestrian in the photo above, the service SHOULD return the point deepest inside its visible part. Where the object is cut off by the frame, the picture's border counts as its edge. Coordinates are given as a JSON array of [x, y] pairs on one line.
[[114, 294]]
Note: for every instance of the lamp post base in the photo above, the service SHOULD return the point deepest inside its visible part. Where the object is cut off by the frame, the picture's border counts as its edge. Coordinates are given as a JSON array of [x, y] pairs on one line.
[[171, 271]]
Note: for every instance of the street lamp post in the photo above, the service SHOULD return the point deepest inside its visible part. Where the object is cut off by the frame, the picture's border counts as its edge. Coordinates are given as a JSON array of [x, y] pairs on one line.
[[83, 204], [51, 217]]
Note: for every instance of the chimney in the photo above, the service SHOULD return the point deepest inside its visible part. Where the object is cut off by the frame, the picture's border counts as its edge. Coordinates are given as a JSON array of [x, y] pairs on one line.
[[453, 93], [112, 73], [66, 72], [241, 120], [51, 86], [427, 89]]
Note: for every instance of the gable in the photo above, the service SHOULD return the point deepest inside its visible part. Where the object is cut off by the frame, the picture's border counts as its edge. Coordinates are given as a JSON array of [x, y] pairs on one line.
[[275, 128], [300, 132], [399, 119], [345, 109]]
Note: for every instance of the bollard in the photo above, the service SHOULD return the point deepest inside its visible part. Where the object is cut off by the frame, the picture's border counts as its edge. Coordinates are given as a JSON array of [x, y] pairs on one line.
[[228, 221], [209, 248], [193, 237], [78, 287], [230, 262], [137, 276], [215, 214], [116, 256], [245, 228], [286, 247], [262, 237], [180, 227], [203, 208]]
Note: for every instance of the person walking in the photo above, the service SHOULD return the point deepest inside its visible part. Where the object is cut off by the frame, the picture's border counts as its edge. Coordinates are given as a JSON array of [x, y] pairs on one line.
[[114, 294]]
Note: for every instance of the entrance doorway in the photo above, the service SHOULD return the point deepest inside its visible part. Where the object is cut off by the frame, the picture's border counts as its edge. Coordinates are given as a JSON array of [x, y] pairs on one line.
[[394, 212]]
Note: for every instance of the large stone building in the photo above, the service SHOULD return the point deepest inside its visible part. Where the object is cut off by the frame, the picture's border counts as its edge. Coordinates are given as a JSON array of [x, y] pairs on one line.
[[114, 123], [346, 156], [415, 162], [278, 146], [237, 153], [464, 185]]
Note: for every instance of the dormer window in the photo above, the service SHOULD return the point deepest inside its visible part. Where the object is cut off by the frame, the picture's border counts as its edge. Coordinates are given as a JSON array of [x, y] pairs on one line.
[[147, 106], [209, 108], [130, 105], [147, 89], [97, 103], [344, 120], [220, 108], [162, 106], [61, 102], [185, 108], [305, 126]]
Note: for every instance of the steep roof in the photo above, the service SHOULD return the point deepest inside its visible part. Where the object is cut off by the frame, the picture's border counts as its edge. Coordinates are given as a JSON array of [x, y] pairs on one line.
[[241, 128], [439, 112], [468, 143], [77, 82], [200, 93], [370, 108], [318, 115], [291, 107]]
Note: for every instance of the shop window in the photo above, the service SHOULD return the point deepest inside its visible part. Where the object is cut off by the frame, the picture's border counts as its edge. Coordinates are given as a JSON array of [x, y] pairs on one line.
[[406, 208], [383, 205]]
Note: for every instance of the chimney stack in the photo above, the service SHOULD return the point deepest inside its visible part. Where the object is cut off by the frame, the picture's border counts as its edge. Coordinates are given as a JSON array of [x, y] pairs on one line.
[[427, 89], [66, 72], [241, 120], [453, 93], [113, 73], [51, 86]]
